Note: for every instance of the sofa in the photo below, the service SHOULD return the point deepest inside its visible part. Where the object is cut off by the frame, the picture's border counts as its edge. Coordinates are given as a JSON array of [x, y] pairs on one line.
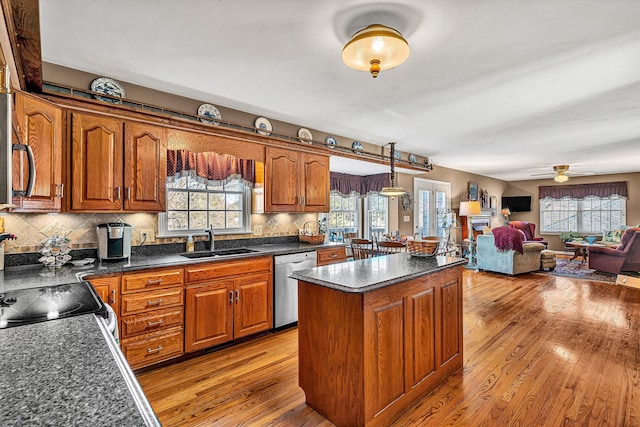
[[529, 230], [624, 257], [508, 262]]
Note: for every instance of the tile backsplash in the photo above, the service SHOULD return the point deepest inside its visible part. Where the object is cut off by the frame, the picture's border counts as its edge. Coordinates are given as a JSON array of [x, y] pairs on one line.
[[32, 228]]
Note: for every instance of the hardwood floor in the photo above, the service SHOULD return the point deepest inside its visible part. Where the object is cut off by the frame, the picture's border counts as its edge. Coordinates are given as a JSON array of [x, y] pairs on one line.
[[539, 350]]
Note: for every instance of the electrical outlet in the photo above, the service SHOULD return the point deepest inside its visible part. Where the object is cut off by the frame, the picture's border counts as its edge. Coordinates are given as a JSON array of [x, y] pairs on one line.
[[257, 230], [150, 233]]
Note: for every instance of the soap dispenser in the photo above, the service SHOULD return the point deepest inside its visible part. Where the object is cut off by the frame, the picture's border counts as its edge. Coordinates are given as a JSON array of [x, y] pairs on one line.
[[190, 245]]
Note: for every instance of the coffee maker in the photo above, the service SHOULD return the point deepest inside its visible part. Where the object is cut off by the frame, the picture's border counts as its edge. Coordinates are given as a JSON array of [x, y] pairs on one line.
[[114, 241]]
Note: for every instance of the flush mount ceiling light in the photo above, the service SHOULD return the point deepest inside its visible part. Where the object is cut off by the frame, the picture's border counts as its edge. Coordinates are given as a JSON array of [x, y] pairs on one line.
[[392, 191], [375, 48]]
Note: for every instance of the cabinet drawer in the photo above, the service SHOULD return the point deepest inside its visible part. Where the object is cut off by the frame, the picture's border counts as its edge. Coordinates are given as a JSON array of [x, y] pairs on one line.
[[151, 280], [150, 322], [152, 300], [329, 256], [215, 271], [149, 349]]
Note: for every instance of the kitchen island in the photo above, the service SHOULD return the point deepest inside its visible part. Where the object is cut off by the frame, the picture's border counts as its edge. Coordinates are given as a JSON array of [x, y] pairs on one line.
[[377, 334]]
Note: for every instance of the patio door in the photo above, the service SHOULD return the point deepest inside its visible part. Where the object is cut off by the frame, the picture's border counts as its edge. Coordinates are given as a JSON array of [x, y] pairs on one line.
[[431, 203]]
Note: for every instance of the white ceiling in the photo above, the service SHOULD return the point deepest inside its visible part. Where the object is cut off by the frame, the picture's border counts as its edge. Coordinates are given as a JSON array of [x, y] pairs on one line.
[[505, 89]]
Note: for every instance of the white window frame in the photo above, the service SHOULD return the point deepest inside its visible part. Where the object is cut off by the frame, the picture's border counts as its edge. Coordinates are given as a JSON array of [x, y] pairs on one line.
[[434, 217], [578, 217], [358, 214], [367, 208], [163, 217]]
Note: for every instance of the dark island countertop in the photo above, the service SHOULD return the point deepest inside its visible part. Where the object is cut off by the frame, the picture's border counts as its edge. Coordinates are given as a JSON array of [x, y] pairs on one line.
[[366, 275]]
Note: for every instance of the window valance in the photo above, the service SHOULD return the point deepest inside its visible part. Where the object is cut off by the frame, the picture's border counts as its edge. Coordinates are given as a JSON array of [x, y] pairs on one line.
[[580, 191], [347, 184], [208, 167]]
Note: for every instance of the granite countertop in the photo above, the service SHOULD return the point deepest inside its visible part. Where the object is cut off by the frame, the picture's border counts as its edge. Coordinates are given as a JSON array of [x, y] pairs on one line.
[[37, 275], [61, 373], [366, 275]]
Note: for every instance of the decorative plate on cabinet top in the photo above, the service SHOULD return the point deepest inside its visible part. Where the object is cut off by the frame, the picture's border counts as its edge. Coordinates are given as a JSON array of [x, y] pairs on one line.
[[208, 110], [263, 126], [397, 155], [305, 135], [357, 147], [413, 158], [108, 87], [331, 141]]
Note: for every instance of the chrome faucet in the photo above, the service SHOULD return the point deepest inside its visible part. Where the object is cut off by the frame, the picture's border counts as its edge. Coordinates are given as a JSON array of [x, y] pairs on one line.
[[211, 242]]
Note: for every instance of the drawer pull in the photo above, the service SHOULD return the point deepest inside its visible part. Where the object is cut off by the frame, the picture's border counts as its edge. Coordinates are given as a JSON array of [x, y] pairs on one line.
[[154, 350], [156, 302], [153, 282], [152, 324], [334, 255]]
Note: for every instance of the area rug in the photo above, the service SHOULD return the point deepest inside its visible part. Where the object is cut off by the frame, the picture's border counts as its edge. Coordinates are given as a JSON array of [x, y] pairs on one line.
[[578, 270]]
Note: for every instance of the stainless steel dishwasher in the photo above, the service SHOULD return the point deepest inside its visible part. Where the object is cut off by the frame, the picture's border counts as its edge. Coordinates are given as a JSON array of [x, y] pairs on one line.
[[285, 305]]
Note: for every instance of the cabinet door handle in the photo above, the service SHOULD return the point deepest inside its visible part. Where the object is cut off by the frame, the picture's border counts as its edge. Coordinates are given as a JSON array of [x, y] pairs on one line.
[[152, 324], [153, 282], [156, 302], [237, 296], [154, 350], [303, 200], [118, 195], [128, 193], [230, 297], [113, 296], [60, 191]]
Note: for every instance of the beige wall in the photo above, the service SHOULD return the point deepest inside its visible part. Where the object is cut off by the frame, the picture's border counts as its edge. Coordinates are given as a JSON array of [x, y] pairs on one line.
[[459, 183], [530, 188]]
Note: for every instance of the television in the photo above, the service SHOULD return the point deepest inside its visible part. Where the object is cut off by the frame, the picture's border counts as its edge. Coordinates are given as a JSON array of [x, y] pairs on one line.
[[517, 203]]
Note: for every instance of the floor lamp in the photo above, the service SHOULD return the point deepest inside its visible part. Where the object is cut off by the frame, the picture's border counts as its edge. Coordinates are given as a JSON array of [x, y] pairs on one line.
[[469, 209]]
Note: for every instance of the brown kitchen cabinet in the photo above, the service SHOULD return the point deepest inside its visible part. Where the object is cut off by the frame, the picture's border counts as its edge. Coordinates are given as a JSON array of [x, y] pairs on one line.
[[108, 288], [332, 255], [296, 181], [117, 165], [227, 300], [40, 126], [365, 357], [152, 316]]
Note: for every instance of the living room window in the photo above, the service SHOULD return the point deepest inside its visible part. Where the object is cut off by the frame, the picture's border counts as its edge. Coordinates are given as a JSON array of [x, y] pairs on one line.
[[588, 215]]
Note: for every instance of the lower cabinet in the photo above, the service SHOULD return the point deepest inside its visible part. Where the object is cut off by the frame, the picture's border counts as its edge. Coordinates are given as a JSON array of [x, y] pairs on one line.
[[152, 316], [332, 255], [226, 301], [108, 289]]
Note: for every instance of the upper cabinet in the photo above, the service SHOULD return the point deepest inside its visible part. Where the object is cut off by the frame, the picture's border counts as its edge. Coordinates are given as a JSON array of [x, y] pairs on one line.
[[40, 126], [296, 182], [117, 165]]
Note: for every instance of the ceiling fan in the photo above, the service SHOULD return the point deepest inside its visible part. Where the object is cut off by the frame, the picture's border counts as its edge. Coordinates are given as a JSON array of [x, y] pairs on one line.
[[562, 173]]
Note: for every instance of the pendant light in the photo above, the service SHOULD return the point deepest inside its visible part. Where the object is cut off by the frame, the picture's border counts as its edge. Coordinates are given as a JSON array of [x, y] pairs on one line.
[[375, 48], [392, 191]]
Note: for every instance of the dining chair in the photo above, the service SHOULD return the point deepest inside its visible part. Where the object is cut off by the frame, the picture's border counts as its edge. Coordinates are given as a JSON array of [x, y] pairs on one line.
[[390, 247], [361, 248]]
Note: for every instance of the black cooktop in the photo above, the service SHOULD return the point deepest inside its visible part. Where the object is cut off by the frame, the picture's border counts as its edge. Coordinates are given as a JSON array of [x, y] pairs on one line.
[[24, 306]]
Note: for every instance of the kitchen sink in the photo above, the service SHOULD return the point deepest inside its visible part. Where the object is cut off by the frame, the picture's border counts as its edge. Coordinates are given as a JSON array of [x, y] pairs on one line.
[[219, 252]]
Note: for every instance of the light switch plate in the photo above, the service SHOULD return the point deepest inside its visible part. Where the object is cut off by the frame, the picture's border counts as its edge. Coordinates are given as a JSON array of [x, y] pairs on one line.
[[407, 218], [257, 230]]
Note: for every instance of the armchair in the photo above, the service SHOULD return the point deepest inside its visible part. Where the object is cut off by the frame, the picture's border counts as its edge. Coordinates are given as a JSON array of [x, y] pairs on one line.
[[625, 257], [510, 261], [529, 230]]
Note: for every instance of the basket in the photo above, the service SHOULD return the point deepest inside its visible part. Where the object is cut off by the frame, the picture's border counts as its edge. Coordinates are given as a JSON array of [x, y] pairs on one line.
[[315, 239], [422, 248]]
